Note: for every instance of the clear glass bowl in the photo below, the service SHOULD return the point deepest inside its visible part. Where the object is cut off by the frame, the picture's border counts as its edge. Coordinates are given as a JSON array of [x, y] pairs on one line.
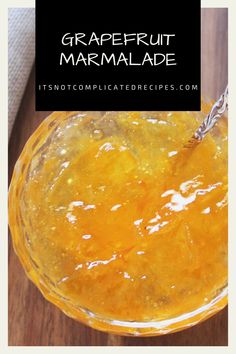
[[27, 166]]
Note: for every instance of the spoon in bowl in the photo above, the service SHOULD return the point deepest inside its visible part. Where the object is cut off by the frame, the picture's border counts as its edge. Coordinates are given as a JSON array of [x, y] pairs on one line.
[[216, 112]]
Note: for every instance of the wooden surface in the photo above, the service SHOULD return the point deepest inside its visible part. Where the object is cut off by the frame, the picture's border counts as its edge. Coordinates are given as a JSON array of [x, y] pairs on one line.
[[214, 41], [35, 321]]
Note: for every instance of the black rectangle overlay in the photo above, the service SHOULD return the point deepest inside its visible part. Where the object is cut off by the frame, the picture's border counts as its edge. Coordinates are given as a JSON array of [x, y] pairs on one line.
[[136, 56]]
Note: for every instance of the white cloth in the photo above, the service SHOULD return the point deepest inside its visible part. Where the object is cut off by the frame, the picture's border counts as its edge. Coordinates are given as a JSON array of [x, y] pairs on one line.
[[21, 53]]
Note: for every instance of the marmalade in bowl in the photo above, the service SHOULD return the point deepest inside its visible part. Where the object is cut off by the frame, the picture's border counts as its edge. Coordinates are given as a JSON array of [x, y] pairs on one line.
[[119, 224]]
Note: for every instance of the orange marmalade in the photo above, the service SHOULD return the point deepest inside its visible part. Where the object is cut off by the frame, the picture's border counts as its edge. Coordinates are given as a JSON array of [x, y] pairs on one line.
[[118, 224]]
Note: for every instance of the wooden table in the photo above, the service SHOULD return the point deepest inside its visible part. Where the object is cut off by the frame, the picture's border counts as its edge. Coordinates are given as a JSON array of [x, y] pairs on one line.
[[33, 320]]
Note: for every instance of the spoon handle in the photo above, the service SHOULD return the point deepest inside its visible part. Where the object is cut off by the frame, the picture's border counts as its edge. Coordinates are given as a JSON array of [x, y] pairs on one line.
[[216, 112]]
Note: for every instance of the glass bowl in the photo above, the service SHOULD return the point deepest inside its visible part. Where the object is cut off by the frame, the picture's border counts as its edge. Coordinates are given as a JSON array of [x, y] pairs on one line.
[[56, 140]]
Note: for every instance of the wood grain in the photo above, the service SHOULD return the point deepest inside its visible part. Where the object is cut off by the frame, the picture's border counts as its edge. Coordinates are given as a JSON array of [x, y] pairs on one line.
[[33, 320], [214, 42]]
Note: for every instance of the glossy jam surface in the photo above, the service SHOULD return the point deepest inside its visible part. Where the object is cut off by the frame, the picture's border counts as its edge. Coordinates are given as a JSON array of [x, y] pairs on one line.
[[111, 215]]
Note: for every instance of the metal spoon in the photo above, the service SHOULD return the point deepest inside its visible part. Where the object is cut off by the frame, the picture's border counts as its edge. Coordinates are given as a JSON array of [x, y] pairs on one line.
[[216, 112]]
